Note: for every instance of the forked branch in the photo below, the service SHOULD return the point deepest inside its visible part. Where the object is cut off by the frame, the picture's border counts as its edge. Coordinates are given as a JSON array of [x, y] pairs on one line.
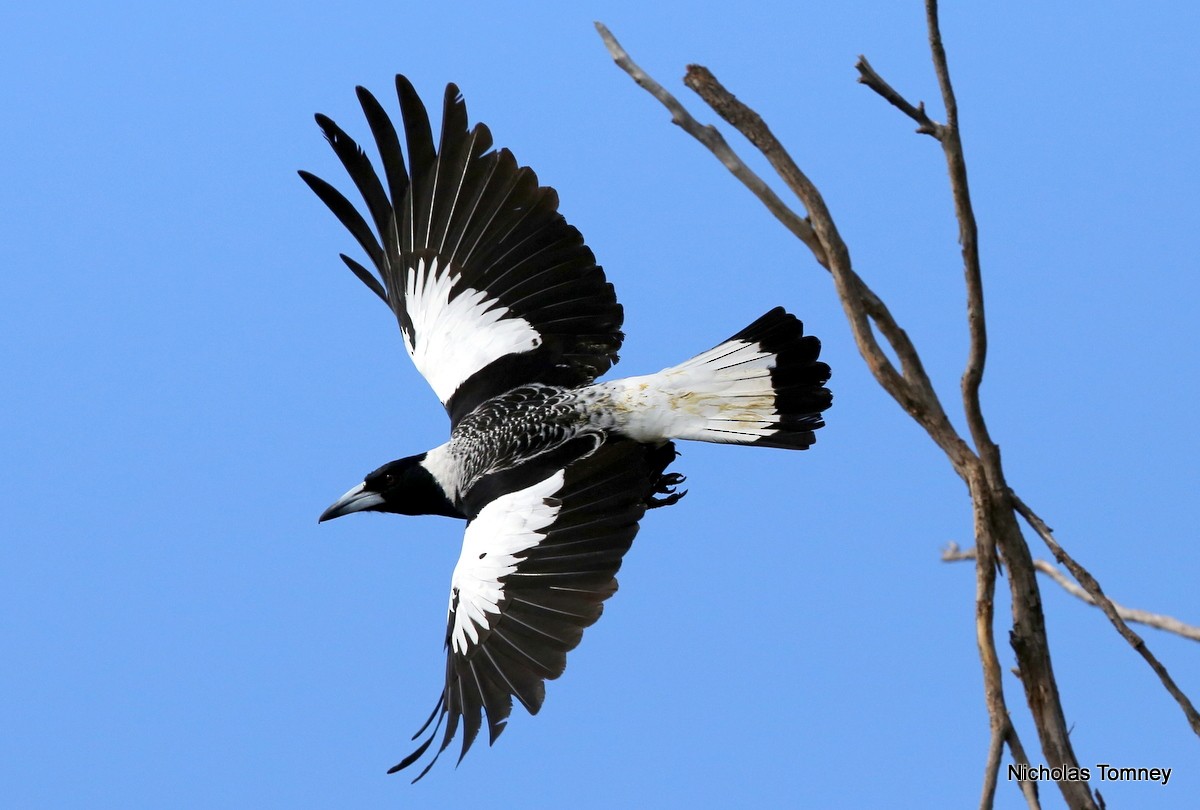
[[998, 535]]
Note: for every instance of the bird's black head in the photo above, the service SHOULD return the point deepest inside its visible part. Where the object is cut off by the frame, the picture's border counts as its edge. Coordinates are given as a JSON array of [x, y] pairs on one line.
[[404, 486]]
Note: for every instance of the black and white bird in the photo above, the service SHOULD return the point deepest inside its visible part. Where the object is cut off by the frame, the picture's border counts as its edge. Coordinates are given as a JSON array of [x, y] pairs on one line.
[[507, 316]]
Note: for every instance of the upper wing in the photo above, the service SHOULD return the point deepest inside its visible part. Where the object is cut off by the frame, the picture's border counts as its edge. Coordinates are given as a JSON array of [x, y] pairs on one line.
[[535, 569], [492, 287]]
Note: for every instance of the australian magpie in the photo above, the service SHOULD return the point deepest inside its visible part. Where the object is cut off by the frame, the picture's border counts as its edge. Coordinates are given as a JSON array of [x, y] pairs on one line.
[[506, 314]]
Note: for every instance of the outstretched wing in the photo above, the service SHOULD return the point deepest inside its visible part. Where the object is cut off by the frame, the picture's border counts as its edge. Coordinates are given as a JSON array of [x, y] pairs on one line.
[[491, 286], [535, 569]]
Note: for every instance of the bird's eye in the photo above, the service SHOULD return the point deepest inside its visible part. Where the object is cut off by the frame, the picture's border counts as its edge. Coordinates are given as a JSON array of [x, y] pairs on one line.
[[379, 482]]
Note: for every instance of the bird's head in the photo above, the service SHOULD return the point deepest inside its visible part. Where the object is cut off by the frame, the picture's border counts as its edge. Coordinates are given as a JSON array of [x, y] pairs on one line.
[[404, 486]]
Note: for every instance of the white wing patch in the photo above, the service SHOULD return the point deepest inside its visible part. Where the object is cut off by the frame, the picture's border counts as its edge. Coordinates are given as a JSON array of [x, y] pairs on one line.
[[507, 526], [452, 339]]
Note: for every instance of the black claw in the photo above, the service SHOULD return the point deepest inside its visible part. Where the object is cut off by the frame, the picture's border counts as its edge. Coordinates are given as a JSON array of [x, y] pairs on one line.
[[671, 498], [666, 486]]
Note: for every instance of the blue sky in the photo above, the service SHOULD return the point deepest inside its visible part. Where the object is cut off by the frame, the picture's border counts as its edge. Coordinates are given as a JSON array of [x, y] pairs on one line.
[[191, 376]]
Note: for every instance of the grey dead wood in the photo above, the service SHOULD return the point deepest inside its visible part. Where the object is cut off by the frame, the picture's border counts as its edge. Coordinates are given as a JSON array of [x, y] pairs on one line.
[[953, 553]]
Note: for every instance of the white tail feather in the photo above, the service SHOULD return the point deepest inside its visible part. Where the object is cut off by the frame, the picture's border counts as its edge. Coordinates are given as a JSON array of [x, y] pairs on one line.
[[763, 386], [722, 395]]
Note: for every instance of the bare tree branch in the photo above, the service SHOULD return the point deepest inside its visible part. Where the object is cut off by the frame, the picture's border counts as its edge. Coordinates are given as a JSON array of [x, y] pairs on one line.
[[914, 391], [995, 522], [712, 138], [1159, 621], [1089, 583], [948, 135], [911, 386], [999, 719], [997, 531], [868, 76], [1156, 620], [968, 237]]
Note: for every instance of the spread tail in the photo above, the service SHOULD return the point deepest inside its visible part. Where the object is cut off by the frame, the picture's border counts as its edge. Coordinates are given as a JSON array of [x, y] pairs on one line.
[[763, 386]]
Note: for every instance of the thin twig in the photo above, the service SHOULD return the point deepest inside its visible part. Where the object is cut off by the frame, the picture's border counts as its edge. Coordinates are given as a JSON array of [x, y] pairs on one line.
[[968, 237], [1089, 583], [1028, 787], [948, 135], [868, 76], [712, 138], [999, 719], [991, 767], [1159, 621]]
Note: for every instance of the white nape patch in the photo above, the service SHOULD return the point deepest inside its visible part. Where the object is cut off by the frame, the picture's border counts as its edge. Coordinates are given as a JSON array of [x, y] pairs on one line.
[[452, 339], [722, 395], [507, 526], [441, 465]]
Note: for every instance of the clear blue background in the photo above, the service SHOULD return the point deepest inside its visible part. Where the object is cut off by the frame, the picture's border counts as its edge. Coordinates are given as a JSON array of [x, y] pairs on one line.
[[189, 376]]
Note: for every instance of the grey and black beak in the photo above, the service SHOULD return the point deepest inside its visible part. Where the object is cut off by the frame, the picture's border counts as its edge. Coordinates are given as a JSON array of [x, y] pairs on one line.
[[356, 500]]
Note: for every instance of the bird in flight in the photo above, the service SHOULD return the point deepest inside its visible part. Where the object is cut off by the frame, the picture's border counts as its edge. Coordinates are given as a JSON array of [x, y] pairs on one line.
[[506, 314]]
